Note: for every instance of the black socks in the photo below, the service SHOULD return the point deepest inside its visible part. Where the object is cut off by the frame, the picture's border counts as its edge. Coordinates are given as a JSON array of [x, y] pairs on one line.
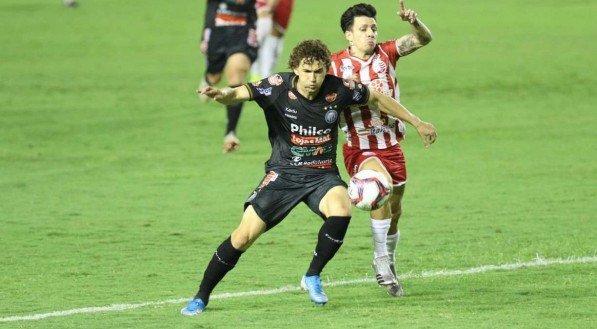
[[329, 240], [233, 115], [221, 262]]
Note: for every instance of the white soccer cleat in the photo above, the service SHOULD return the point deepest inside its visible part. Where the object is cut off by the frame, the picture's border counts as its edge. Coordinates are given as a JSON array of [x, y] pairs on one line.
[[231, 143], [395, 290], [383, 273]]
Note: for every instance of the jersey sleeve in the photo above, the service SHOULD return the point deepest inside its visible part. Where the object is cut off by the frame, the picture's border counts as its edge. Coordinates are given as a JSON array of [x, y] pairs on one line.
[[353, 93], [360, 94], [265, 91], [390, 48]]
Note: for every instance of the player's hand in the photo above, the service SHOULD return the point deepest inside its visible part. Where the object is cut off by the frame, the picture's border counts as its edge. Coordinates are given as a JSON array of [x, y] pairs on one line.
[[427, 132], [210, 92], [407, 14]]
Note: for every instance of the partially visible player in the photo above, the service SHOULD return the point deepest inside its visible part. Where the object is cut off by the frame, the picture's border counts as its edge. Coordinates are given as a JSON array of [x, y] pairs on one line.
[[272, 22], [372, 136], [230, 43], [70, 3], [302, 109]]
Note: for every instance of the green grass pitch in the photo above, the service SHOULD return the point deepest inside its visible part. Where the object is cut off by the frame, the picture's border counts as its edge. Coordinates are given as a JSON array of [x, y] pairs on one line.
[[113, 188]]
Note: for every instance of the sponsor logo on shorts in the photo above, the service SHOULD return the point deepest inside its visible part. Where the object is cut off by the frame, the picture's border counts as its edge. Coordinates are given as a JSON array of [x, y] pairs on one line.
[[275, 80], [314, 140], [331, 116], [265, 91], [270, 177], [331, 97]]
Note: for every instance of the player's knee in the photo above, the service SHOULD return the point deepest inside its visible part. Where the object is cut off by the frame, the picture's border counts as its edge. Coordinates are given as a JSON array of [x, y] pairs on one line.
[[242, 240], [339, 208]]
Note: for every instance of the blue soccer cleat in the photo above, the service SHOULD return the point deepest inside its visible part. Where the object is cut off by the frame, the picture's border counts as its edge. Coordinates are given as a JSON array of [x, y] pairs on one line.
[[313, 285], [194, 307]]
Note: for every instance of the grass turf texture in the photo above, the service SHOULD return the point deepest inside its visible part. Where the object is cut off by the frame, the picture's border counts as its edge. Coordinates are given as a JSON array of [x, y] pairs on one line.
[[114, 188]]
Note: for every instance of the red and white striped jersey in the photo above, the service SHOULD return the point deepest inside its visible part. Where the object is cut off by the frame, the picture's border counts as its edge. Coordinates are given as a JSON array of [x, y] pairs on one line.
[[368, 128]]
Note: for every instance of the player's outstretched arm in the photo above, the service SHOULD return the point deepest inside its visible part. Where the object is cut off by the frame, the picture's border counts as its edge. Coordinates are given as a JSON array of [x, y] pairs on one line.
[[226, 96], [392, 107], [420, 35]]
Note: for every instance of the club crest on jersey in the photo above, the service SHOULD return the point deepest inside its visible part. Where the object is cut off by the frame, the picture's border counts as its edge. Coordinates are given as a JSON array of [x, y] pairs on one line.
[[265, 91], [331, 97], [379, 66], [331, 116], [275, 80], [291, 95]]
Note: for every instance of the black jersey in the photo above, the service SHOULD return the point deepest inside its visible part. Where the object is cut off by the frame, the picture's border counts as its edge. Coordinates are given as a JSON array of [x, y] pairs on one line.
[[230, 13], [304, 133]]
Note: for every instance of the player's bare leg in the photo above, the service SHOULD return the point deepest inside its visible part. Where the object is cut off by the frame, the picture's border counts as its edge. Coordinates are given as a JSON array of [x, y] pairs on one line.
[[336, 207], [225, 258], [380, 224], [236, 70]]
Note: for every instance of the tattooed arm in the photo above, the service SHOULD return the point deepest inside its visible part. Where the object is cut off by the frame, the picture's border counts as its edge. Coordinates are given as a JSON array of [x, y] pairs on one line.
[[419, 37]]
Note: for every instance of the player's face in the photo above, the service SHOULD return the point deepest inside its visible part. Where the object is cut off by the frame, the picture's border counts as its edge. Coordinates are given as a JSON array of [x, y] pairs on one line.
[[363, 35], [310, 76]]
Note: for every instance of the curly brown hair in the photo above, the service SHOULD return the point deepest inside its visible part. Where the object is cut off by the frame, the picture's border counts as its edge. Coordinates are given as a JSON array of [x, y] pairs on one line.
[[310, 51]]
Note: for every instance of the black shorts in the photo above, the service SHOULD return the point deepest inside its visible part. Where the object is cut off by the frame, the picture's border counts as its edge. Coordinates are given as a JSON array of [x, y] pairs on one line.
[[225, 42], [279, 192]]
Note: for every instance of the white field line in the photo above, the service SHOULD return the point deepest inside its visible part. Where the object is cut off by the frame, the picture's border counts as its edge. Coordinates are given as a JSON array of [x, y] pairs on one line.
[[429, 274]]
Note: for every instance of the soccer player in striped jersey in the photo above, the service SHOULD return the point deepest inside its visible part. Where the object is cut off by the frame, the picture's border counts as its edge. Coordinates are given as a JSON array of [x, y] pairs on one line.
[[273, 17], [372, 136]]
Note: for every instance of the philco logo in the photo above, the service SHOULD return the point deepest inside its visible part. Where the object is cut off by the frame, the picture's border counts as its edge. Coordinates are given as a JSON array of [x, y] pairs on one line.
[[291, 95], [331, 97], [308, 131]]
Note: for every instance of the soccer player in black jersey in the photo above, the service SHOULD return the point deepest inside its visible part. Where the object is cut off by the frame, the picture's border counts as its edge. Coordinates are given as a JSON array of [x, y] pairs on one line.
[[302, 109], [230, 43]]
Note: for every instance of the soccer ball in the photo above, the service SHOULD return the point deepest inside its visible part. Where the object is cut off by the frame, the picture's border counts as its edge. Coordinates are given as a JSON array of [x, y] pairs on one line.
[[368, 190]]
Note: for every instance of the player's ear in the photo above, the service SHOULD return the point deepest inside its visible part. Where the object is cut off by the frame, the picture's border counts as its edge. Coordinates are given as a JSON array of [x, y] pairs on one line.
[[348, 35], [296, 72]]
